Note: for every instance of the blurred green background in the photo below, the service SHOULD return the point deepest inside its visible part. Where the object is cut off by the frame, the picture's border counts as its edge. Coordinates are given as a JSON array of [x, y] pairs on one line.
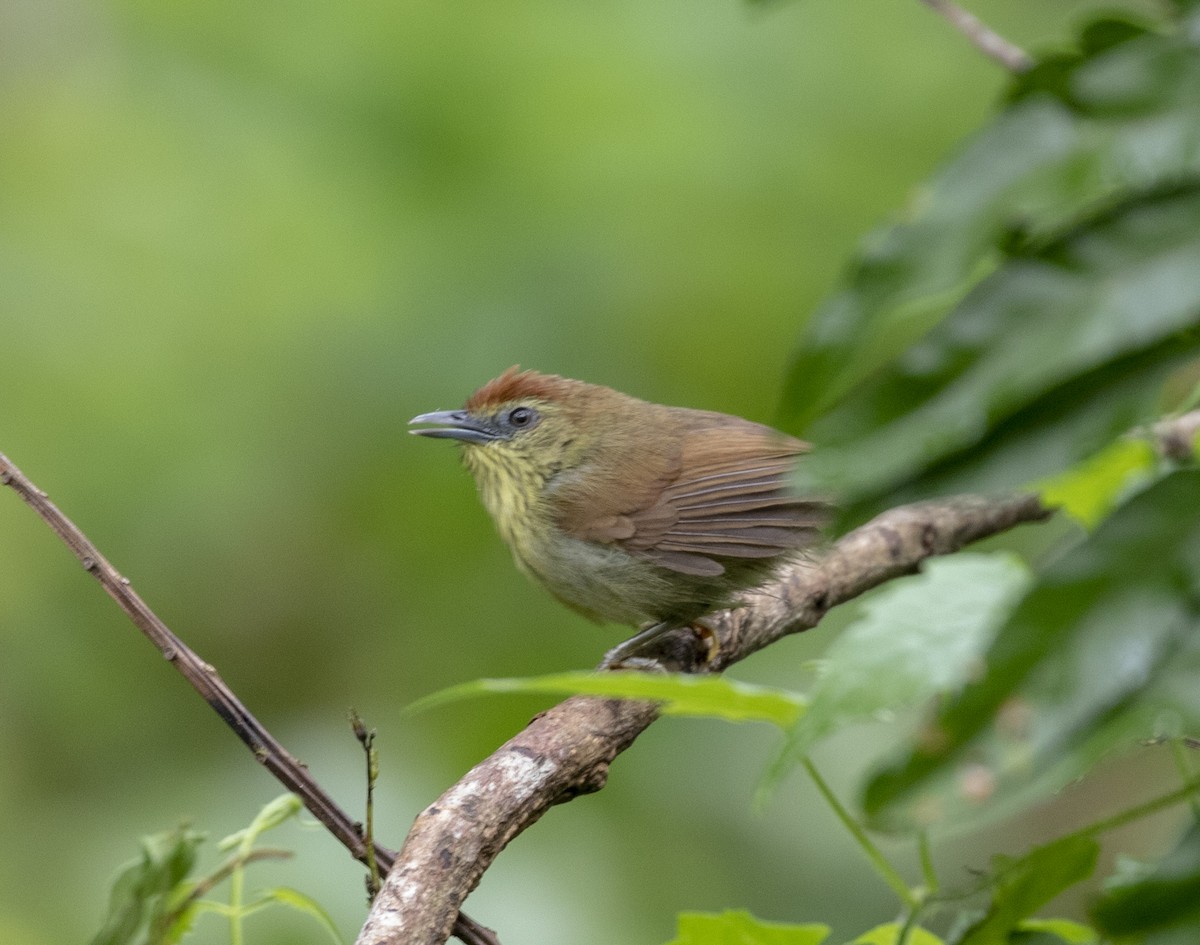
[[240, 245]]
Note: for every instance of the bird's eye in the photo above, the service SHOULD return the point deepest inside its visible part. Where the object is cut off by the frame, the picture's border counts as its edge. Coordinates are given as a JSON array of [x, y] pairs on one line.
[[522, 416]]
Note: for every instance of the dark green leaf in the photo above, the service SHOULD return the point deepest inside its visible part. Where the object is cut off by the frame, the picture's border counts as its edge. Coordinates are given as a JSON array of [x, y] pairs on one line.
[[1101, 649], [1023, 886], [1168, 896], [1061, 244], [1035, 326]]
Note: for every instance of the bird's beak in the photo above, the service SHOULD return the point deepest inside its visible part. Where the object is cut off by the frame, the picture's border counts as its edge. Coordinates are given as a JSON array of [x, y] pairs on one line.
[[454, 425]]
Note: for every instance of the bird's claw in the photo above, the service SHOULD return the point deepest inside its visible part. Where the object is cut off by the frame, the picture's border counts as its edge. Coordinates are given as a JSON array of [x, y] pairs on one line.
[[707, 636], [628, 655]]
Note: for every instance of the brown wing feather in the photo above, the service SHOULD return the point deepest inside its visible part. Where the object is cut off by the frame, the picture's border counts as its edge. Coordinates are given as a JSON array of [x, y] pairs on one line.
[[730, 497], [717, 487]]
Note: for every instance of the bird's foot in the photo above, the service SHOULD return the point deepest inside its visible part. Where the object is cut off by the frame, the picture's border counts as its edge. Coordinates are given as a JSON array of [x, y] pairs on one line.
[[624, 655], [643, 664], [709, 638], [635, 652]]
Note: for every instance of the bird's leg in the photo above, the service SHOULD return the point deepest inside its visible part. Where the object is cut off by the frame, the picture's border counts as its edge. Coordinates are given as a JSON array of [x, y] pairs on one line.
[[623, 653], [628, 654]]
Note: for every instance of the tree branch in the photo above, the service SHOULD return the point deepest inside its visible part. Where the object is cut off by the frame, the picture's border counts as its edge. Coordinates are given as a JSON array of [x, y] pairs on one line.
[[983, 37], [567, 751], [205, 680]]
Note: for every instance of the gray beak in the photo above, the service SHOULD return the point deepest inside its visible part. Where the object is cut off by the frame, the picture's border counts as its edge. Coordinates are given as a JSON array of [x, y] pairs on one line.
[[454, 425]]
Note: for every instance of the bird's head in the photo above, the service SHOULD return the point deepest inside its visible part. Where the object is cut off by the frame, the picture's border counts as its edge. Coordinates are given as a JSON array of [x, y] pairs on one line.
[[519, 430]]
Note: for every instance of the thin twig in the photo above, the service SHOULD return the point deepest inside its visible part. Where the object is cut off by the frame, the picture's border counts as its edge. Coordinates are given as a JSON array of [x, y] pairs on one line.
[[205, 680], [366, 738], [982, 36]]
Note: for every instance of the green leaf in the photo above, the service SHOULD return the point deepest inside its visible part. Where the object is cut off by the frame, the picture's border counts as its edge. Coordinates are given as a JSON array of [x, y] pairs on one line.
[[1091, 490], [999, 359], [711, 696], [1023, 886], [889, 934], [294, 899], [1073, 933], [180, 920], [1167, 897], [741, 928], [1102, 650], [1051, 261], [143, 885], [275, 812], [915, 638]]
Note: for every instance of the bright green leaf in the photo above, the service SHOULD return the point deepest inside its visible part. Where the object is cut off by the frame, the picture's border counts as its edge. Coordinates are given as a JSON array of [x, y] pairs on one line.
[[889, 934], [741, 928], [712, 696], [1073, 933], [915, 638], [1090, 491], [275, 812], [294, 899]]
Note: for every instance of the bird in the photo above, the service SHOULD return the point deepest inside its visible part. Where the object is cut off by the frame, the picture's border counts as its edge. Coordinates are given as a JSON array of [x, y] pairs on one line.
[[629, 511]]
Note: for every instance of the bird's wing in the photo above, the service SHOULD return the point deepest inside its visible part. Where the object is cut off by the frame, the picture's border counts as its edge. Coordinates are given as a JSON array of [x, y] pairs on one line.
[[727, 494]]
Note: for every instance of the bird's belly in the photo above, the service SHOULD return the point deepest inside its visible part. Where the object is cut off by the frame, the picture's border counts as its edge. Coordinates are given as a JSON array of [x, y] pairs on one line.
[[601, 581]]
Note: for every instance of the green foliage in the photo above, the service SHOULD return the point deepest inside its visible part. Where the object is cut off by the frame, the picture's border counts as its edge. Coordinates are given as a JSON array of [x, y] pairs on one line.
[[1090, 491], [1040, 299], [1039, 294], [741, 928], [156, 900], [1063, 930], [1164, 898], [916, 638], [1102, 645], [144, 905], [1023, 886], [890, 934]]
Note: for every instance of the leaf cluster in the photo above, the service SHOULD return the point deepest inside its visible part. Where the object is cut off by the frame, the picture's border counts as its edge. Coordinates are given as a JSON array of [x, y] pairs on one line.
[[157, 897]]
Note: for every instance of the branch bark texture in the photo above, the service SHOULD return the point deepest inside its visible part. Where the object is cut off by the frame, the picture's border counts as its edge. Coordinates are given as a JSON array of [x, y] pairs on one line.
[[567, 751]]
